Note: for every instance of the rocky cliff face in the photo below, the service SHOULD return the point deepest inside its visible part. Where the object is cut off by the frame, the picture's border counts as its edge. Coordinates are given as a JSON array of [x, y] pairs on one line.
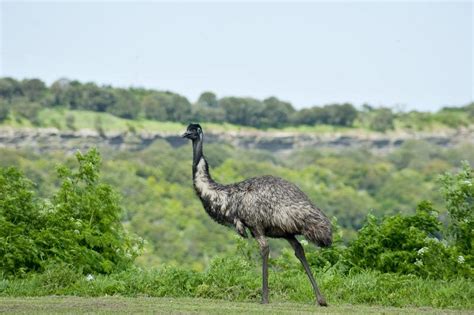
[[43, 140]]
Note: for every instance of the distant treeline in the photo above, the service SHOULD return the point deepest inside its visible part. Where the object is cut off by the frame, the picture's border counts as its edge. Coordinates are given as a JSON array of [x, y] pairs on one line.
[[27, 97]]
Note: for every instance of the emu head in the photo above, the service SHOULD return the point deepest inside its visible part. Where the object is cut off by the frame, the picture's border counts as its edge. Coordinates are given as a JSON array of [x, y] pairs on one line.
[[193, 132]]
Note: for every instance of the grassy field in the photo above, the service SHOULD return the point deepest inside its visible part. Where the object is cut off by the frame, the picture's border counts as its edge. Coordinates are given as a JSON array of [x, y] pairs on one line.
[[117, 304], [57, 117]]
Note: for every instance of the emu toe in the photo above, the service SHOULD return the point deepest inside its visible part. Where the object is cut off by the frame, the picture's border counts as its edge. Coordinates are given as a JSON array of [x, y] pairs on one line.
[[322, 302]]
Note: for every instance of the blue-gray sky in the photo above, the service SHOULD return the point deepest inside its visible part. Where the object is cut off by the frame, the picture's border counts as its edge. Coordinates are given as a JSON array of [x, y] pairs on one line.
[[414, 55]]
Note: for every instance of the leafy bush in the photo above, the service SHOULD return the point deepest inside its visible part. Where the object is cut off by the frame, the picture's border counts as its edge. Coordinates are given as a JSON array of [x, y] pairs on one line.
[[452, 118], [19, 218], [80, 226], [458, 191], [407, 245], [382, 120]]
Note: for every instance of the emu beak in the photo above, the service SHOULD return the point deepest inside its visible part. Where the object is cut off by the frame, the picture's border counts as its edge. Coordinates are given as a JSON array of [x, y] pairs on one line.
[[186, 134]]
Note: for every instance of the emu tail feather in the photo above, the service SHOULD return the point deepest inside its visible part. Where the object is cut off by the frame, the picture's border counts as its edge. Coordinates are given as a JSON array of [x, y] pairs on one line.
[[319, 233]]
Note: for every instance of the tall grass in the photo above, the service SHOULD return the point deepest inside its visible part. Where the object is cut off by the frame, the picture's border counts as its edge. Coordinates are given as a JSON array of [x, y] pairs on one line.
[[235, 279]]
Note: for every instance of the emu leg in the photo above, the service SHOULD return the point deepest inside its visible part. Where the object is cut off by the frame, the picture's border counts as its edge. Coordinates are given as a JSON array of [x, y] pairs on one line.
[[240, 228], [299, 252], [264, 251]]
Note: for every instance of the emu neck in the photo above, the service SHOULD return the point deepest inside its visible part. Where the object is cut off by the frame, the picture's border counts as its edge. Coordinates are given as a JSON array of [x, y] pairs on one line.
[[197, 154], [213, 195]]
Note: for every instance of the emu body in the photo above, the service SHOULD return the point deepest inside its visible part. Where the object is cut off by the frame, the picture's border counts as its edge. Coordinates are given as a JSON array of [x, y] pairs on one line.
[[267, 206]]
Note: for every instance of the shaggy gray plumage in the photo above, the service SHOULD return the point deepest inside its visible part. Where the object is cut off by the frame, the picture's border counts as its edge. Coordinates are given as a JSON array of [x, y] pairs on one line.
[[266, 206]]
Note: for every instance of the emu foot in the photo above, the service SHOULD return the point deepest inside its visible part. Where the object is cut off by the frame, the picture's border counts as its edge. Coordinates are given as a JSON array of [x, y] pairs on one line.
[[322, 301], [264, 301]]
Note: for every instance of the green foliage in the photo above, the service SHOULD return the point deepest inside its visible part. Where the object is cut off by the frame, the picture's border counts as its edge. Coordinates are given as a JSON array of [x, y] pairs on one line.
[[92, 97], [234, 279], [458, 191], [19, 218], [334, 114], [207, 114], [153, 109], [382, 120], [452, 118], [407, 245], [242, 111], [33, 89], [74, 238], [10, 88], [276, 113], [208, 99], [4, 110], [160, 205], [125, 105], [138, 103], [80, 226], [22, 108]]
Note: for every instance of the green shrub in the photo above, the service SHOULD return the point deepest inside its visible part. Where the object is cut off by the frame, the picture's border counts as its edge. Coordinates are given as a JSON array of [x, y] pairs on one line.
[[80, 226], [458, 191], [407, 245], [19, 218], [382, 120]]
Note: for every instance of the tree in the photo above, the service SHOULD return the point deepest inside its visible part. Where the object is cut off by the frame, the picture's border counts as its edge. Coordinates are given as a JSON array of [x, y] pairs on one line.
[[33, 89], [67, 93], [306, 116], [167, 106], [180, 110], [206, 113], [382, 119], [242, 111], [126, 104], [208, 99], [340, 114], [10, 88], [276, 113], [153, 108], [95, 98]]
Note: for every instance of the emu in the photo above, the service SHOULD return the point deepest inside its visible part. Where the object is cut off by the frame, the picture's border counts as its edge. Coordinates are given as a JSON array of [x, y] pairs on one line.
[[267, 206]]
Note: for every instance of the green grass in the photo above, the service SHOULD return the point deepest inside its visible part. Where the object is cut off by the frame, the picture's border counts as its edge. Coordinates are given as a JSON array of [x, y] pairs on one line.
[[317, 129], [127, 305], [235, 280], [56, 118], [89, 120]]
